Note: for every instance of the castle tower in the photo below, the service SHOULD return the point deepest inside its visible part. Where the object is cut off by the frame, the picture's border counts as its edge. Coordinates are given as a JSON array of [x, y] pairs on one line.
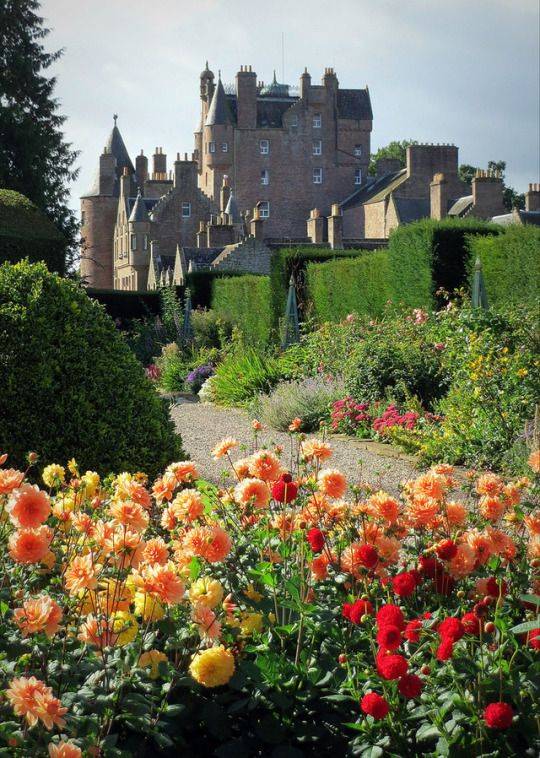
[[217, 143], [98, 212], [206, 94]]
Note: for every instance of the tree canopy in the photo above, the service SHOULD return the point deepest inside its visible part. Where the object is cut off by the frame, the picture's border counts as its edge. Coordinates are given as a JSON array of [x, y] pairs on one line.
[[395, 149], [35, 158]]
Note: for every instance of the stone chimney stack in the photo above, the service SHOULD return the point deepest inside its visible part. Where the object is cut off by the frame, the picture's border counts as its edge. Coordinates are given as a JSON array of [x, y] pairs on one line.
[[107, 172], [532, 198], [315, 227], [185, 172], [330, 81], [141, 169], [125, 183], [159, 164], [335, 228], [305, 84], [438, 197], [202, 235], [487, 190], [256, 225], [246, 98]]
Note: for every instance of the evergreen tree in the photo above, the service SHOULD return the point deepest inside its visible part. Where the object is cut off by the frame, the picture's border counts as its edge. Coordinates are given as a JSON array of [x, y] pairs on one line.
[[396, 149], [35, 159]]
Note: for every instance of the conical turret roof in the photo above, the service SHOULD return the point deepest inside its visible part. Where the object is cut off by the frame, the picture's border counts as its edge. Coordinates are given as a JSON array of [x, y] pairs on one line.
[[219, 112], [116, 146], [232, 210], [139, 212]]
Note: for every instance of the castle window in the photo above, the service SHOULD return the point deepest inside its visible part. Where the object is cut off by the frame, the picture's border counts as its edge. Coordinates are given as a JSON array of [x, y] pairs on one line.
[[317, 147], [317, 121], [212, 147], [83, 216], [358, 176], [145, 242], [133, 241], [264, 146], [264, 209], [317, 176], [186, 210], [265, 176], [294, 120], [224, 147], [358, 150]]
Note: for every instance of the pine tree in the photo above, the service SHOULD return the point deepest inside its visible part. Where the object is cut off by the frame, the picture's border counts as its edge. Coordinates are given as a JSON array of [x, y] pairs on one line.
[[35, 159]]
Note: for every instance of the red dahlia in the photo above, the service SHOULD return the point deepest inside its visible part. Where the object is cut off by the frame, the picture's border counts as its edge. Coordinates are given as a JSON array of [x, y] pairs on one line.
[[443, 583], [284, 490], [498, 715], [429, 566], [412, 630], [316, 539], [451, 628], [391, 666], [496, 587], [366, 556], [446, 550], [445, 649], [358, 609], [410, 685], [389, 637], [374, 705], [346, 610], [404, 584], [533, 638], [390, 614], [471, 623]]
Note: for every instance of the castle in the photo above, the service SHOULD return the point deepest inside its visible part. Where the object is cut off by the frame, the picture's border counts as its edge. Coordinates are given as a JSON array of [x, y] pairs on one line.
[[272, 164]]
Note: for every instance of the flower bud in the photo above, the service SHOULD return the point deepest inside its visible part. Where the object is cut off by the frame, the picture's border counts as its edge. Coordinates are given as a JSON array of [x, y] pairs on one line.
[[32, 458], [489, 627], [460, 594], [342, 658], [425, 670]]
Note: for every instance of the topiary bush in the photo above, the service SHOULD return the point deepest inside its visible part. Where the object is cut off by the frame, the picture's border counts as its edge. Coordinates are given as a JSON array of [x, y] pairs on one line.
[[70, 384]]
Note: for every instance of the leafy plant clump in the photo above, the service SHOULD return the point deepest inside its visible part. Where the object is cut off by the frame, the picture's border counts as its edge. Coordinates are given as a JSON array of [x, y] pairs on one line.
[[243, 375], [70, 385], [308, 399]]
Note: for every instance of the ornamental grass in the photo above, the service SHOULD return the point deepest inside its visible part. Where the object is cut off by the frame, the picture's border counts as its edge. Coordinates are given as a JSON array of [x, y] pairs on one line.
[[288, 612]]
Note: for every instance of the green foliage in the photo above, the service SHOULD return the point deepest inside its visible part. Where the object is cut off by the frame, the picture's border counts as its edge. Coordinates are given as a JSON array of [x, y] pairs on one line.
[[244, 374], [246, 301], [343, 286], [201, 284], [510, 264], [429, 255], [511, 198], [395, 149], [26, 232], [171, 313], [70, 385], [308, 399], [210, 328], [35, 160], [125, 306], [176, 362]]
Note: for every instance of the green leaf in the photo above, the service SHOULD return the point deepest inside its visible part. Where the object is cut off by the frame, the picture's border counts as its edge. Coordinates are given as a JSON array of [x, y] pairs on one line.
[[528, 626], [534, 599], [195, 568], [427, 732]]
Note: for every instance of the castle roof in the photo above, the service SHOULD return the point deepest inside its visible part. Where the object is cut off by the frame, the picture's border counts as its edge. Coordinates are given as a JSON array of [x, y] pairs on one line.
[[376, 190], [518, 215], [354, 104], [219, 112], [461, 206], [232, 209], [275, 88], [146, 206], [116, 146], [139, 211], [411, 208]]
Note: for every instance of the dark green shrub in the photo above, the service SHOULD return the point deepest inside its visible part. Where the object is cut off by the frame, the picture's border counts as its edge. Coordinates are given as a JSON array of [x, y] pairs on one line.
[[429, 255], [511, 265], [345, 285], [26, 232], [246, 301], [125, 306], [243, 375], [70, 385], [210, 328]]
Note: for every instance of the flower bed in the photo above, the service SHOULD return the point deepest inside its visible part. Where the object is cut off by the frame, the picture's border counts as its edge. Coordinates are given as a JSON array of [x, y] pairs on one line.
[[286, 614]]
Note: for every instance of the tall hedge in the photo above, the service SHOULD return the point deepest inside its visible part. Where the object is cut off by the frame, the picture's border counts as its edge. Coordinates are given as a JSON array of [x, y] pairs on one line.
[[289, 261], [26, 232], [344, 285], [427, 255], [70, 386], [247, 301], [510, 264]]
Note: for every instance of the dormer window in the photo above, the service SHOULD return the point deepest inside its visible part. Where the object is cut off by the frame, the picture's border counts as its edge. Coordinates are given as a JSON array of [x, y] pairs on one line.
[[265, 176], [317, 121], [317, 147], [264, 146]]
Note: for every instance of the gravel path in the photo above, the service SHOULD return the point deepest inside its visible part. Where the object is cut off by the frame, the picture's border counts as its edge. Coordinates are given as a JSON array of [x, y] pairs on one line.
[[202, 426]]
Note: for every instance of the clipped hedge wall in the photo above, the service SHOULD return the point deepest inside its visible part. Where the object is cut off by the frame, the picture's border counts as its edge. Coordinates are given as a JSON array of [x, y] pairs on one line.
[[70, 384], [427, 255], [342, 286], [289, 261], [511, 265], [247, 301], [126, 305], [26, 232]]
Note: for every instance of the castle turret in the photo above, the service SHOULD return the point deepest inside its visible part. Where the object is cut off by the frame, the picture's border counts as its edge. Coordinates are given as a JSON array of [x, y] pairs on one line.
[[98, 212], [218, 142], [246, 97]]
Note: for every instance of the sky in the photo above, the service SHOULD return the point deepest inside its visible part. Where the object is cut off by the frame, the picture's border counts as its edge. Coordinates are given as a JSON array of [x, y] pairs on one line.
[[464, 71]]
